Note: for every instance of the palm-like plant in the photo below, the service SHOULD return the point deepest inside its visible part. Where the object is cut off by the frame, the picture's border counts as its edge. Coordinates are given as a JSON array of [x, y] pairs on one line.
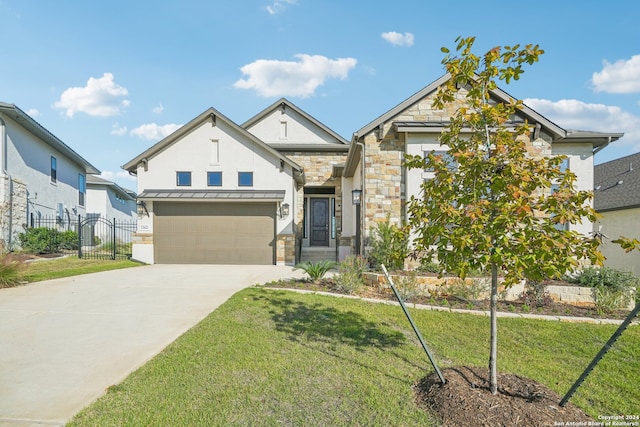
[[316, 270]]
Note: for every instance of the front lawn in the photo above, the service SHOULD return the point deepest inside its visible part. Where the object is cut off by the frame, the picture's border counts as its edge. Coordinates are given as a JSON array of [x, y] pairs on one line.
[[35, 271], [281, 358]]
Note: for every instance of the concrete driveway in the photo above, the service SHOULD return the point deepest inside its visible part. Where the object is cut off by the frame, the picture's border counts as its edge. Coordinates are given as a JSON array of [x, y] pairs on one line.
[[64, 341]]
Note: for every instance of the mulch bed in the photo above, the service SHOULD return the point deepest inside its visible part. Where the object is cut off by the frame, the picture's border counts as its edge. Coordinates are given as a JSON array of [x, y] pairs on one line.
[[465, 400], [550, 309]]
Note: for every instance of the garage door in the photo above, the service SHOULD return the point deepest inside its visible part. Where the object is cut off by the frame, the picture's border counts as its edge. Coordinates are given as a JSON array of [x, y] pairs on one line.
[[214, 233]]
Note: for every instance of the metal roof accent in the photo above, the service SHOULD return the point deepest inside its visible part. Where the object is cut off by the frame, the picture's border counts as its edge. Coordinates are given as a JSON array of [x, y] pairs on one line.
[[617, 184], [308, 148], [26, 121], [215, 195]]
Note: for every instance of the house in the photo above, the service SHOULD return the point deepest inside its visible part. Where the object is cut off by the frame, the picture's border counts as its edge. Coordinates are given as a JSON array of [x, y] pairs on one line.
[[616, 197], [217, 192], [106, 199], [413, 127], [283, 187], [40, 176]]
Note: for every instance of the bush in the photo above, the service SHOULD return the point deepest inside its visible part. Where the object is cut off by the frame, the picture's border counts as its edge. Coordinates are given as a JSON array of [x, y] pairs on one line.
[[316, 270], [11, 270], [389, 246], [535, 294], [40, 240], [350, 274], [609, 286], [465, 291], [69, 240], [408, 287]]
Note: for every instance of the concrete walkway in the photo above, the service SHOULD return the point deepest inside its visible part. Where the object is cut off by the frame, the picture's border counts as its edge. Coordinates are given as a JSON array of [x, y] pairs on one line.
[[64, 341]]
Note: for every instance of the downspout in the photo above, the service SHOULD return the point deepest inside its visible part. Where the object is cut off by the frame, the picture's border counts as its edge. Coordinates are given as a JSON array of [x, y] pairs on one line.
[[363, 203], [5, 175]]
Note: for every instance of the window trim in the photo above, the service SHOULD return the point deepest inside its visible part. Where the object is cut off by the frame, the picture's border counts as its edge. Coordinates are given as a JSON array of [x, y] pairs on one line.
[[178, 178], [53, 172], [244, 173], [82, 189], [212, 173]]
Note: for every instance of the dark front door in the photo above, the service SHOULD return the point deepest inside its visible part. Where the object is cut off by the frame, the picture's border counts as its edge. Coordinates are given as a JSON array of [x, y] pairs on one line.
[[319, 222]]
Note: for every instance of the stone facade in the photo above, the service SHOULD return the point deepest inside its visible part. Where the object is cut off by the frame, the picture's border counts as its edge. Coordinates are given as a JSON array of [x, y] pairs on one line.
[[385, 178], [286, 249], [13, 212], [318, 168]]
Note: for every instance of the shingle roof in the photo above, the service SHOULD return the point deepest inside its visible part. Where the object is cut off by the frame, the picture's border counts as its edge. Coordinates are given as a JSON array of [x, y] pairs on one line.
[[617, 184]]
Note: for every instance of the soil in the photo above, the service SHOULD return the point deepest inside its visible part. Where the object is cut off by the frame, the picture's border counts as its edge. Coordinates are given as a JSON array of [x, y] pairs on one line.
[[465, 400], [549, 308]]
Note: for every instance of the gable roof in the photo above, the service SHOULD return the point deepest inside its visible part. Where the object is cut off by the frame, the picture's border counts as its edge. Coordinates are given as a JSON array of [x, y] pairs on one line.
[[99, 181], [284, 103], [215, 116], [27, 122], [617, 184], [599, 139]]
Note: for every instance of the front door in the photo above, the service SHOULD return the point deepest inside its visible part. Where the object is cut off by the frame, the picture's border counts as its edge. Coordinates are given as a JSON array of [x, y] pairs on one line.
[[319, 222]]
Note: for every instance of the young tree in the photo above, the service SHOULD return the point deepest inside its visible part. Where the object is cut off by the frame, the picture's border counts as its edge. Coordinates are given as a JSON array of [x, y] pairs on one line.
[[490, 205]]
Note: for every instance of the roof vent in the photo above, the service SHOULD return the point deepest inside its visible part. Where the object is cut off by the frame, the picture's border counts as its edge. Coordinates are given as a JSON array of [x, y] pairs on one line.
[[619, 182]]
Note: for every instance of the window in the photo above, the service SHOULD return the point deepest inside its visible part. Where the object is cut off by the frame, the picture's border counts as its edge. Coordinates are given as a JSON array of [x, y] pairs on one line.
[[559, 226], [446, 157], [183, 179], [564, 165], [215, 152], [54, 170], [214, 179], [82, 189], [245, 179]]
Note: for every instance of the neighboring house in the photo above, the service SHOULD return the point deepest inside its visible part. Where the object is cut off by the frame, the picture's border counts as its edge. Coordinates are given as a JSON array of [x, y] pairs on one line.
[[413, 127], [217, 192], [616, 196], [40, 176], [106, 199]]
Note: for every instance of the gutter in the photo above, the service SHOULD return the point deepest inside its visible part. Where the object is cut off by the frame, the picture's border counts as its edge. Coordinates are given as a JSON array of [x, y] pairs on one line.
[[5, 174], [600, 148]]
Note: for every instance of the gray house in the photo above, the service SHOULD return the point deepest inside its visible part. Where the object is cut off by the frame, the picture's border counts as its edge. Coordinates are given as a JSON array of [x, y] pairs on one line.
[[616, 197]]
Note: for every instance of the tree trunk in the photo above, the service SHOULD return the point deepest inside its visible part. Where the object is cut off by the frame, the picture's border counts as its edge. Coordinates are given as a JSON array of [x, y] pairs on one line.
[[493, 355]]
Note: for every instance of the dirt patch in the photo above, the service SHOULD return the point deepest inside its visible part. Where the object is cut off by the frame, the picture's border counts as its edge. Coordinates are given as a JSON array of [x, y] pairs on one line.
[[465, 399]]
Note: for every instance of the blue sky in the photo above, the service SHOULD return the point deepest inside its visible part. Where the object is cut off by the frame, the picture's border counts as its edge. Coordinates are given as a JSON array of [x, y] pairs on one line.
[[110, 79]]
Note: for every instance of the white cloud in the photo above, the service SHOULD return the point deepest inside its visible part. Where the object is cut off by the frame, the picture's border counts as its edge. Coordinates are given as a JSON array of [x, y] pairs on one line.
[[578, 115], [272, 78], [120, 175], [159, 109], [118, 130], [33, 112], [623, 76], [152, 131], [279, 6], [398, 39], [100, 97]]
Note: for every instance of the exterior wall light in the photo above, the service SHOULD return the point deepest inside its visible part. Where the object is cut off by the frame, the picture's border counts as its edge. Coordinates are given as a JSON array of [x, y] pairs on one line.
[[356, 197], [284, 210], [142, 208]]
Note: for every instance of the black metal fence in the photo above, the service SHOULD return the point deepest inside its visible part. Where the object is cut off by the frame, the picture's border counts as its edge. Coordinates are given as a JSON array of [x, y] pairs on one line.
[[91, 237]]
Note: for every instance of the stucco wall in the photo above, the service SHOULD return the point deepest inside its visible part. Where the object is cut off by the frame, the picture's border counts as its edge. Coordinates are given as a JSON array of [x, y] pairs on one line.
[[615, 224]]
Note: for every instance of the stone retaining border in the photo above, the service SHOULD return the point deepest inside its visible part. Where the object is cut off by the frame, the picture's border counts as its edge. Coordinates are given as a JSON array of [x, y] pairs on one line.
[[568, 319]]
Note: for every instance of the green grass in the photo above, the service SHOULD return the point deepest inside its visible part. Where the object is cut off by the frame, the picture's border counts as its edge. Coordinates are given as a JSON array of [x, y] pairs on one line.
[[70, 266], [272, 358]]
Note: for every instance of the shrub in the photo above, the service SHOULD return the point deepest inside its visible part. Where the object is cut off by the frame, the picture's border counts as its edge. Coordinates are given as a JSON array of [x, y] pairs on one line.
[[469, 291], [389, 246], [316, 270], [68, 240], [408, 287], [11, 270], [350, 274], [40, 240], [535, 294], [609, 285]]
